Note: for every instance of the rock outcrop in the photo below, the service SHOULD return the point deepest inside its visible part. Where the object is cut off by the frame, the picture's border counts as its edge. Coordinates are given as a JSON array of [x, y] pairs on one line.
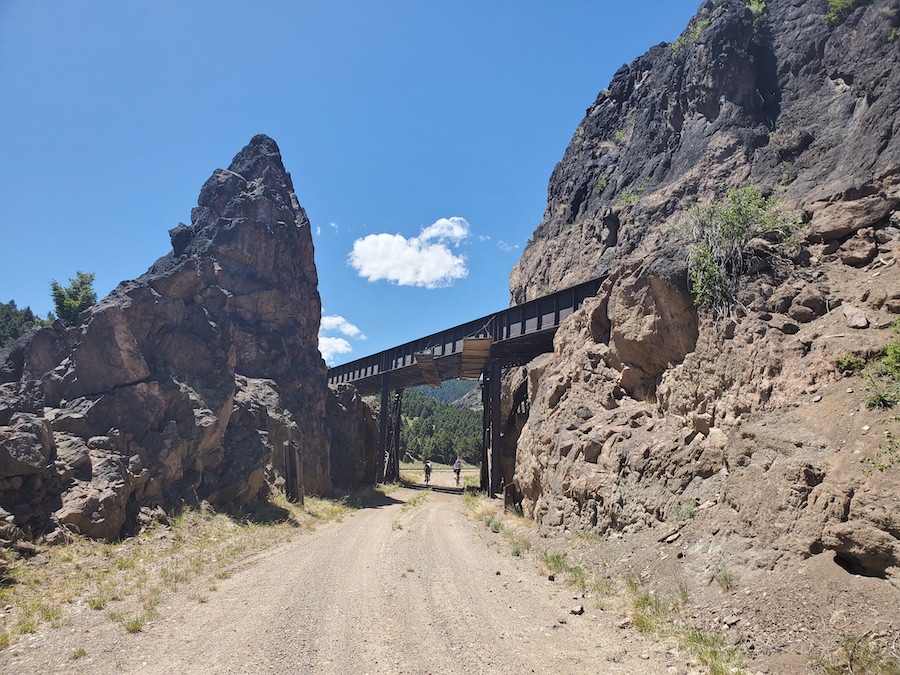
[[780, 100], [646, 403], [200, 380], [354, 437]]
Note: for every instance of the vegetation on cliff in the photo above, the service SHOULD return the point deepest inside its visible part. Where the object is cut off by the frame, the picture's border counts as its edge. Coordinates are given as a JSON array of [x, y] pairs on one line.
[[721, 249], [71, 300]]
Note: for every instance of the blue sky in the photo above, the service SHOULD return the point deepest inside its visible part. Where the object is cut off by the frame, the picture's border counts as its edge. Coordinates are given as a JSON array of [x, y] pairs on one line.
[[420, 137]]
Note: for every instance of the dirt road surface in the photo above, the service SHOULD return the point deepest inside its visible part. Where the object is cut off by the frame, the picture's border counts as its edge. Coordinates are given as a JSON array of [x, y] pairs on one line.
[[420, 588]]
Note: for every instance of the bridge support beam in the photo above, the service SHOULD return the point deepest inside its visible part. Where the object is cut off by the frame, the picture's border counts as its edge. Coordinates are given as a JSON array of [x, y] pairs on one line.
[[496, 448], [384, 421], [492, 453], [485, 431]]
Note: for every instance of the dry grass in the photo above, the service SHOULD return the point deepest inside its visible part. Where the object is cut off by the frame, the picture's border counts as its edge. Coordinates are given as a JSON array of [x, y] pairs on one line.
[[128, 579], [859, 655]]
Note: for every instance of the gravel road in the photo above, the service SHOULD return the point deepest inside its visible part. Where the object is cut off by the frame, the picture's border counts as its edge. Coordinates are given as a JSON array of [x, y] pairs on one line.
[[420, 588]]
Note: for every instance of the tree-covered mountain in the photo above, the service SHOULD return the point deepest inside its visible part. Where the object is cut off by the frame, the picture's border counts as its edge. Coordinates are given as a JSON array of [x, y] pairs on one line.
[[450, 391], [15, 322], [437, 431]]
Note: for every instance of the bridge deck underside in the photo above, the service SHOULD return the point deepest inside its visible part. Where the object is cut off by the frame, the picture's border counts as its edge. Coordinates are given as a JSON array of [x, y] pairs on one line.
[[511, 352]]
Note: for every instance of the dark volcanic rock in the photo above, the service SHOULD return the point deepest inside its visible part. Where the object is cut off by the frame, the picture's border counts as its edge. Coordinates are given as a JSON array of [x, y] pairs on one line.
[[786, 103], [197, 381], [354, 437]]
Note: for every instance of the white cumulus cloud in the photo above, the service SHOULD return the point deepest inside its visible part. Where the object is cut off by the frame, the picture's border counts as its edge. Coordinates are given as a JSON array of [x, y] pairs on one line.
[[425, 260], [329, 347], [334, 322]]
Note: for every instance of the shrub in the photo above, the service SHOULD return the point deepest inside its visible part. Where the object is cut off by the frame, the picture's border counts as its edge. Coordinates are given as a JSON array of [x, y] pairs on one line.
[[628, 196], [758, 9], [849, 363], [684, 511], [719, 235], [725, 579], [883, 376], [858, 654], [839, 10], [689, 36], [888, 455]]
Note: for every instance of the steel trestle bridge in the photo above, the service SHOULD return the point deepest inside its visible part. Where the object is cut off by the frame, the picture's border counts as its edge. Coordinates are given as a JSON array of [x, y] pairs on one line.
[[478, 349]]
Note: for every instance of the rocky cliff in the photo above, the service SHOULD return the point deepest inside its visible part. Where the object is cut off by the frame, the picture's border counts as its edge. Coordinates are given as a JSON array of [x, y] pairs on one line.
[[649, 406], [200, 380], [779, 99]]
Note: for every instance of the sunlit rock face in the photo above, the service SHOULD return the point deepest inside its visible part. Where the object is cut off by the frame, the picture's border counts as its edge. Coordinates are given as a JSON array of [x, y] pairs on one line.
[[647, 403]]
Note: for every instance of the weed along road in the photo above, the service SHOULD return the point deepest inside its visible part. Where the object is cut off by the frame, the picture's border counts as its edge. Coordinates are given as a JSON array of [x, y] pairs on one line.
[[412, 584]]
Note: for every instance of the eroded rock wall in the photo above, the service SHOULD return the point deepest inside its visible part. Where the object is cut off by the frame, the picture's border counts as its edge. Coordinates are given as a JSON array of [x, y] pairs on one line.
[[647, 405], [354, 437], [756, 423]]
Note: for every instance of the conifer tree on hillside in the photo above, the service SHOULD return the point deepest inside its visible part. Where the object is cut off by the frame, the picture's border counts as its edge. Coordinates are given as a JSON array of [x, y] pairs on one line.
[[72, 299]]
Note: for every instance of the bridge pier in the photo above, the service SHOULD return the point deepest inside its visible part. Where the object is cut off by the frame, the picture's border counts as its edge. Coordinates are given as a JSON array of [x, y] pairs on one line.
[[389, 432], [383, 427], [492, 454]]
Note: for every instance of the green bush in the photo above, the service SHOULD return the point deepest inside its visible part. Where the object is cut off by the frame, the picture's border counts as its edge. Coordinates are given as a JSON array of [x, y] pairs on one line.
[[719, 234], [888, 455], [849, 363], [684, 511], [628, 196], [758, 9], [883, 376], [839, 10], [689, 36]]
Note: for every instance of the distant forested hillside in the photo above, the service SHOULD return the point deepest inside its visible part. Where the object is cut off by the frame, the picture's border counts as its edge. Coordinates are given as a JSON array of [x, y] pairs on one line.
[[15, 322], [450, 391], [437, 431]]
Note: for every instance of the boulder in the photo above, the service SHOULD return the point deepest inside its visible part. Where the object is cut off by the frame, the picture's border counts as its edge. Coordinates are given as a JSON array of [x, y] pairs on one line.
[[855, 317], [858, 250]]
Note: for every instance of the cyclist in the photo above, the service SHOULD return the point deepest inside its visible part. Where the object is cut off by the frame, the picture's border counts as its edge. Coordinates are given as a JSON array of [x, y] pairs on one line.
[[457, 467], [427, 472]]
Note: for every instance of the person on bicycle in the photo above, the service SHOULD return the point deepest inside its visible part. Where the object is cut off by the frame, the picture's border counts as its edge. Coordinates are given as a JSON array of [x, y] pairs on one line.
[[427, 472], [457, 467]]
